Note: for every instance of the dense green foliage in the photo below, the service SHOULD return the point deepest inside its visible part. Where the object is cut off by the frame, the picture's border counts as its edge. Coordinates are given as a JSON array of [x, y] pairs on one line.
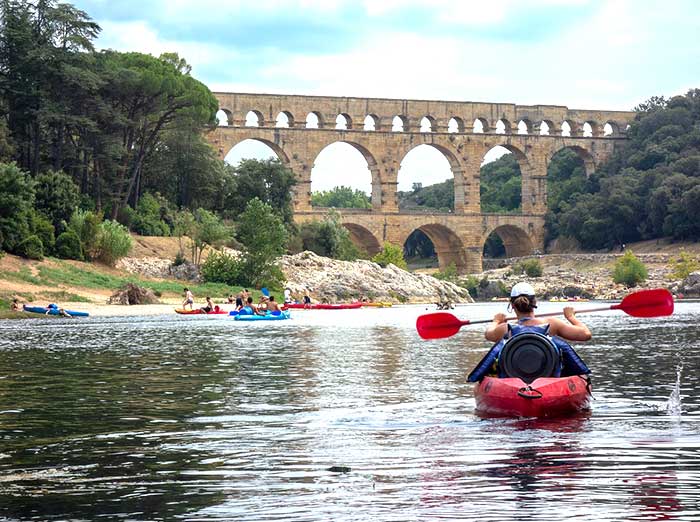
[[57, 197], [220, 267], [651, 186], [341, 197], [269, 181], [329, 238], [500, 185], [16, 206], [439, 197], [629, 270], [68, 246], [114, 242], [151, 217], [390, 254]]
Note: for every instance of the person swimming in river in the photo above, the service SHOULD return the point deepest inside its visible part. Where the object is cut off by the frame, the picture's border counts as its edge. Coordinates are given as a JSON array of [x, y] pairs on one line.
[[524, 303]]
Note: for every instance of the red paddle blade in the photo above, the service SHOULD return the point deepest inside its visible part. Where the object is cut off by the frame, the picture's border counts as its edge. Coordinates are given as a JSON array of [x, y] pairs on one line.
[[438, 325], [647, 303]]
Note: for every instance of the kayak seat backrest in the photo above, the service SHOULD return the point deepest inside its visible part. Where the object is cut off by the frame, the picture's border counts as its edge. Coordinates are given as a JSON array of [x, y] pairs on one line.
[[528, 356]]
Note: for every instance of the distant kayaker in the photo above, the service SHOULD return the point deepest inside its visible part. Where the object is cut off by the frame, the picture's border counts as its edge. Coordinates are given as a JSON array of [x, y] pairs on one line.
[[307, 299], [189, 299], [209, 307], [287, 295], [524, 303], [15, 305]]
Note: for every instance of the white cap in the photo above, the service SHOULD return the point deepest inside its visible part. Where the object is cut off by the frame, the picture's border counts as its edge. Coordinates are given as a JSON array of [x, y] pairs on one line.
[[522, 289]]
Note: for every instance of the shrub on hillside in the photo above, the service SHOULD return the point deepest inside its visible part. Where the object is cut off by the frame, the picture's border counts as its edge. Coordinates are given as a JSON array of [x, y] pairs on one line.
[[114, 242], [531, 267], [328, 238], [390, 254], [683, 265], [86, 225], [449, 274], [68, 246], [629, 270], [150, 216], [31, 248], [220, 267], [42, 227]]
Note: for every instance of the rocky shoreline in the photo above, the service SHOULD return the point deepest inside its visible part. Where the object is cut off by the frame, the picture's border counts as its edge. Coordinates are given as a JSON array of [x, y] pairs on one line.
[[564, 275]]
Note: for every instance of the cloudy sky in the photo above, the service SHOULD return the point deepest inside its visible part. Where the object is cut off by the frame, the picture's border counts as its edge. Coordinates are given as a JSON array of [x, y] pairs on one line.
[[580, 53]]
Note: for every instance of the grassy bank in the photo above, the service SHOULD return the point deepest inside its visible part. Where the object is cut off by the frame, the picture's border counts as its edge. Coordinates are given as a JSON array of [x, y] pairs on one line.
[[55, 280]]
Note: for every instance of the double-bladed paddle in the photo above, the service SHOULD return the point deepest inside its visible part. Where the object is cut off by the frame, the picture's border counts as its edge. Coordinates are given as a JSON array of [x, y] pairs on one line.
[[644, 303]]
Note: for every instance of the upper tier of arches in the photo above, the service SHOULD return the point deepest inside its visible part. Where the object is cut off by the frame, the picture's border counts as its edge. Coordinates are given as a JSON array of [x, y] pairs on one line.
[[385, 115]]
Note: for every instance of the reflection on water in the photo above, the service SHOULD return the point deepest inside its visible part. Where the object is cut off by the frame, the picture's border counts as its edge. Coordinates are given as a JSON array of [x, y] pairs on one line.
[[202, 418]]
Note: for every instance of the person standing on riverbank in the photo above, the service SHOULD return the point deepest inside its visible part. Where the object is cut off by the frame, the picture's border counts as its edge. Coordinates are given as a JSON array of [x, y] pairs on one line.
[[189, 299]]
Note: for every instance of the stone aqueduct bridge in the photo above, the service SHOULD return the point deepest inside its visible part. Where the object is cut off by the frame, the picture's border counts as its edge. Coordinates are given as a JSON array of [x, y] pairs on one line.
[[459, 236]]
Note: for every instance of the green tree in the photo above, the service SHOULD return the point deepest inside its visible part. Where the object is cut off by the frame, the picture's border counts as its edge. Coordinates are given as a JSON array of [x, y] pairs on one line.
[[114, 243], [40, 45], [86, 225], [263, 234], [220, 267], [152, 216], [439, 196], [267, 180], [16, 206], [184, 168], [390, 254], [500, 185], [649, 188], [207, 230], [629, 270], [328, 238], [57, 197], [146, 96], [341, 197]]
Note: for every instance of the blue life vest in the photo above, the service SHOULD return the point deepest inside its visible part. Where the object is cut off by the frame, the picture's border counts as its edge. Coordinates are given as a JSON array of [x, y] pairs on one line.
[[571, 363], [246, 310]]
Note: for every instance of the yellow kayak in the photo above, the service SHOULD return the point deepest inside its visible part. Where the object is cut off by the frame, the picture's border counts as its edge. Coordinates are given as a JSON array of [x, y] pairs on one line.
[[378, 305]]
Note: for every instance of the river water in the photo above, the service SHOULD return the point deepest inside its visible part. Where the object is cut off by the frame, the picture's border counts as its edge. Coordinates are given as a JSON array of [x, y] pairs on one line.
[[336, 416]]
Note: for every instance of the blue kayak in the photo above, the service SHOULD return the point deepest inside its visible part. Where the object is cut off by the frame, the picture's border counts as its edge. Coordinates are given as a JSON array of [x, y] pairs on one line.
[[53, 311], [270, 316]]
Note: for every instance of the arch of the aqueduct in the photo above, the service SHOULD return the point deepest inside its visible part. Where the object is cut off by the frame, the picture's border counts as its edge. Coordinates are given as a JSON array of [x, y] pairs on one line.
[[459, 236]]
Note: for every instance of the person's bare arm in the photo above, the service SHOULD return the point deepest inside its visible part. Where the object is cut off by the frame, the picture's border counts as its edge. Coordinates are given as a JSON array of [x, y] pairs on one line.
[[497, 329], [574, 330]]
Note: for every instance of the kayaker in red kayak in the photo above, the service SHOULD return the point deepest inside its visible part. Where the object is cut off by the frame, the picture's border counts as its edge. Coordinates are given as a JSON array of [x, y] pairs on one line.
[[209, 307], [524, 303]]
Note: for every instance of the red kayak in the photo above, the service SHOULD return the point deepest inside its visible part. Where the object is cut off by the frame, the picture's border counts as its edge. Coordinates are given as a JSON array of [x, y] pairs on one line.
[[322, 306], [216, 311], [544, 397]]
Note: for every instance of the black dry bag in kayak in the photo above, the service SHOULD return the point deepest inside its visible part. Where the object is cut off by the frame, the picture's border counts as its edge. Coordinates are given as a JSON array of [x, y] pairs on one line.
[[529, 355]]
